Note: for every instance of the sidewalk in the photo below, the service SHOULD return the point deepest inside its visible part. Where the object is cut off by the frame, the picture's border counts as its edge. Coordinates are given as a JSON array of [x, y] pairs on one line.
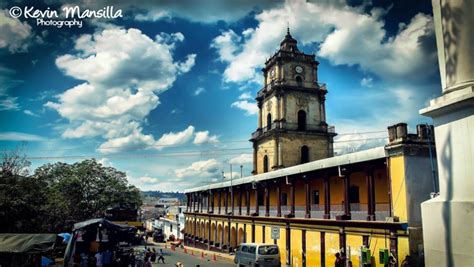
[[206, 254], [209, 254]]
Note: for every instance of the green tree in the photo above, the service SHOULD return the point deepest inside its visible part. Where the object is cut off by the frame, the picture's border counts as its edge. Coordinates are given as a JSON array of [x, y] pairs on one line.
[[58, 194], [21, 197], [84, 190]]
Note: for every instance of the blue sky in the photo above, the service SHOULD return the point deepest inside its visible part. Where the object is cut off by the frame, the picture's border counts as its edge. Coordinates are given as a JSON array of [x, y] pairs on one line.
[[166, 92]]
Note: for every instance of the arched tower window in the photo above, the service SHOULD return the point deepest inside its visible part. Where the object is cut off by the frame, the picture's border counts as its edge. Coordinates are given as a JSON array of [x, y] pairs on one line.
[[301, 120], [299, 81], [269, 121], [304, 154], [265, 163]]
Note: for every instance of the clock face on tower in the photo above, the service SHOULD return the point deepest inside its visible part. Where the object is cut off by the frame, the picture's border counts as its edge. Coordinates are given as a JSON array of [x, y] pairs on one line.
[[299, 69], [272, 73]]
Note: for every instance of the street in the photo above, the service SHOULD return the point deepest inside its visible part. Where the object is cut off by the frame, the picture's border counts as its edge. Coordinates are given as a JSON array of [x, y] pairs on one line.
[[188, 260]]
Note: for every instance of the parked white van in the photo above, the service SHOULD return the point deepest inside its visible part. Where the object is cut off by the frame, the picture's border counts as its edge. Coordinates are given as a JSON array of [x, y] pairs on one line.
[[261, 255]]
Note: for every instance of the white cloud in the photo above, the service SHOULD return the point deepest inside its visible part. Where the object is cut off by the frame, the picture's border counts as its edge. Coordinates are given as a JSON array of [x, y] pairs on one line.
[[349, 143], [30, 113], [154, 15], [347, 35], [250, 108], [138, 140], [9, 103], [242, 159], [121, 87], [401, 56], [14, 34], [204, 168], [19, 136], [235, 174], [205, 11], [226, 45], [148, 180], [105, 162], [199, 91], [245, 96], [204, 138], [366, 82], [176, 138]]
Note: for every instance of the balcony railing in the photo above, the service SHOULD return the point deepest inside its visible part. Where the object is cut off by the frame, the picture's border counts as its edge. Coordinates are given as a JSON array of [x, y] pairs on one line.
[[358, 211], [269, 87], [294, 127]]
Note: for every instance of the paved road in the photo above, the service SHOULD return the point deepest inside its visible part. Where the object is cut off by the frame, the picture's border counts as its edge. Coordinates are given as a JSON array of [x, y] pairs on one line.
[[172, 257]]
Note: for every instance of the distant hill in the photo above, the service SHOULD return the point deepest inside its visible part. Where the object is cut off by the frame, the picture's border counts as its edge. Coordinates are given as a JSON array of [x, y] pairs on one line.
[[160, 194]]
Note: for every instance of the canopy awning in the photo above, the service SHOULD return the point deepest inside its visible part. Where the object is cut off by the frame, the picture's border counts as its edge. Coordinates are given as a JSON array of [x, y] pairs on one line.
[[26, 243]]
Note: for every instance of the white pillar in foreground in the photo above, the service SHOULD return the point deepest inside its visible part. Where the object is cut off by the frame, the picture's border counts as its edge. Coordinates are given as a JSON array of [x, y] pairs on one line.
[[448, 219]]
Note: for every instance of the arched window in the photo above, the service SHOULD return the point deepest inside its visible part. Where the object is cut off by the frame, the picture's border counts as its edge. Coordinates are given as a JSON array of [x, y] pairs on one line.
[[265, 163], [304, 154], [269, 121], [354, 194], [299, 81], [301, 120]]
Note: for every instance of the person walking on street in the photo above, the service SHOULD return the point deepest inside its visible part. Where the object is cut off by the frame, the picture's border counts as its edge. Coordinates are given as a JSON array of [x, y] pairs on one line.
[[161, 256]]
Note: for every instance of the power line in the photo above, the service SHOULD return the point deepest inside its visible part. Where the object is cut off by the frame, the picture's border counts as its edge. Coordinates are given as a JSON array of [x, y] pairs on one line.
[[180, 145], [214, 152]]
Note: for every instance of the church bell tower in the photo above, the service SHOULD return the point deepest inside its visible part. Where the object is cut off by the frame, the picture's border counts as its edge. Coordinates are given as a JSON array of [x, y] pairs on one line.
[[292, 126]]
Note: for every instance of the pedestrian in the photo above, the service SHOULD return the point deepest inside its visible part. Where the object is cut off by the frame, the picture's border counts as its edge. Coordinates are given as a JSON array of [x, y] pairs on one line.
[[107, 258], [161, 256], [338, 262], [153, 255], [98, 259], [147, 264]]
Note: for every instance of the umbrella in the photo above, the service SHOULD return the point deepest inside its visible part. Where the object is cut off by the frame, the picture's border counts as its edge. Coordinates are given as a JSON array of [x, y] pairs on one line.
[[65, 236], [46, 261]]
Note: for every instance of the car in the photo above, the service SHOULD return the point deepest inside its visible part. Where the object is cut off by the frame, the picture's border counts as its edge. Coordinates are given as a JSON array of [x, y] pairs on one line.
[[158, 236], [261, 255]]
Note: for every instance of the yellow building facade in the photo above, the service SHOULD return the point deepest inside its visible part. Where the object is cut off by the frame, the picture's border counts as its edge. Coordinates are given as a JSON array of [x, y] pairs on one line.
[[319, 204]]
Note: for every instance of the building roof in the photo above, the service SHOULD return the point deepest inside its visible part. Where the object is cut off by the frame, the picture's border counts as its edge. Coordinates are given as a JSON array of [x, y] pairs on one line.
[[346, 159]]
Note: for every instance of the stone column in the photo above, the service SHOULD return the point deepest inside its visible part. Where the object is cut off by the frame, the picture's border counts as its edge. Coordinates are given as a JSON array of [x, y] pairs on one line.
[[208, 201], [212, 201], [229, 244], [447, 218], [292, 199], [226, 202], [253, 232], [255, 171], [394, 248], [327, 198], [256, 201], [288, 244], [308, 197], [188, 202], [303, 248], [323, 248], [278, 193], [347, 204], [219, 196], [245, 233], [267, 200], [342, 240], [232, 206], [247, 201], [240, 201], [369, 175]]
